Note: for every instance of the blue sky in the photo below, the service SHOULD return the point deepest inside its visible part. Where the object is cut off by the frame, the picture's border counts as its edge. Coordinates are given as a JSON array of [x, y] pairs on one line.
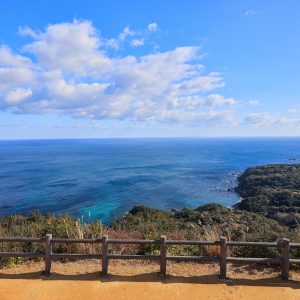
[[85, 69]]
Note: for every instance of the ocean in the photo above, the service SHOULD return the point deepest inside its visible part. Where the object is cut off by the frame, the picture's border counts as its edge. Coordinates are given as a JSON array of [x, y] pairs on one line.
[[104, 178]]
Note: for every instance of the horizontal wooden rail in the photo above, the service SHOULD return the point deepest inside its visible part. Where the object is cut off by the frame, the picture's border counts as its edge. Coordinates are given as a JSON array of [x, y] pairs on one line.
[[223, 259], [295, 245], [78, 241], [252, 244], [127, 256], [141, 242], [194, 258], [256, 260], [186, 242], [74, 256]]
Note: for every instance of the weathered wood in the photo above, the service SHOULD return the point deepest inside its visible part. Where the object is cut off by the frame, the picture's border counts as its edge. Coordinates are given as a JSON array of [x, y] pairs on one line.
[[223, 257], [186, 242], [129, 256], [285, 256], [48, 252], [84, 241], [74, 256], [294, 245], [256, 260], [169, 242], [123, 241], [163, 255], [285, 245], [104, 254], [251, 244], [194, 258]]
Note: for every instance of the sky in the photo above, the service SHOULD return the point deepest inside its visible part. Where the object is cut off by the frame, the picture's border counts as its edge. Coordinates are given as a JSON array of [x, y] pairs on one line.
[[106, 69]]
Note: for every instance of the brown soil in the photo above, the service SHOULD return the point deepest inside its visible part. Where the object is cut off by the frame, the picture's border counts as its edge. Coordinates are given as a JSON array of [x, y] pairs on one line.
[[136, 280]]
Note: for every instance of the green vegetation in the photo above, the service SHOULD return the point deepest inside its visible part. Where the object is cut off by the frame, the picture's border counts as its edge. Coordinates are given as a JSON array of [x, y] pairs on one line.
[[267, 212], [272, 190], [37, 225], [198, 223], [206, 223]]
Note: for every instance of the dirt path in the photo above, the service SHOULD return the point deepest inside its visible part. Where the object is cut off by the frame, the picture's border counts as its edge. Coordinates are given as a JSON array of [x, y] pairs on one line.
[[132, 281]]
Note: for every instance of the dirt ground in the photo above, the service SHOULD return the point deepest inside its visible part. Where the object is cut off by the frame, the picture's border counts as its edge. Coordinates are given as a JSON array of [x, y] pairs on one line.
[[136, 280]]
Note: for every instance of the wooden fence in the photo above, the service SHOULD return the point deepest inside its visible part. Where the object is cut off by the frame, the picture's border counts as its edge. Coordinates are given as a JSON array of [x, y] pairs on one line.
[[222, 258]]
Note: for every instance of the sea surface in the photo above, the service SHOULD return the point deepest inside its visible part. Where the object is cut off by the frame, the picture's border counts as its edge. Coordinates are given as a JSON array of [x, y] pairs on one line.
[[104, 178]]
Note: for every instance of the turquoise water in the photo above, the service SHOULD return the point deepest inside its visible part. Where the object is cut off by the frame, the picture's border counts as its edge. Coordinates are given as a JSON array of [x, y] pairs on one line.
[[104, 178]]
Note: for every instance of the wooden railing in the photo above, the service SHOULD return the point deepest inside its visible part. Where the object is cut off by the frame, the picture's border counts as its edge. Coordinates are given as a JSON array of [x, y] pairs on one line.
[[222, 258]]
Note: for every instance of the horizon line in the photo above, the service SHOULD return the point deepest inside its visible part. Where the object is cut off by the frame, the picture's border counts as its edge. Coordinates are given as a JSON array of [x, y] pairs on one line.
[[150, 137]]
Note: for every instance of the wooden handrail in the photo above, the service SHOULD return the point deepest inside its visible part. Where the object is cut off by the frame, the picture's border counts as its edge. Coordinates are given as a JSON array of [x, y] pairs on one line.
[[163, 257], [84, 241], [252, 244]]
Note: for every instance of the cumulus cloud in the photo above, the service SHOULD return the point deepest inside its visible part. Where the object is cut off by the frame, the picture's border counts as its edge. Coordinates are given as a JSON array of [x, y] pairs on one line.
[[9, 59], [17, 95], [72, 72], [152, 27], [69, 47], [26, 31], [137, 42], [11, 78], [123, 36], [254, 102], [216, 100]]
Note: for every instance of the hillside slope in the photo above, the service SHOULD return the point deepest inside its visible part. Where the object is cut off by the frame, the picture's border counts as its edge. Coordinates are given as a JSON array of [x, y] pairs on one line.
[[273, 190]]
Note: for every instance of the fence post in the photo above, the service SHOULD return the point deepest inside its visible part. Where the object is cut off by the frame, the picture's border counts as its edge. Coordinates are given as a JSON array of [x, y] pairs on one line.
[[285, 256], [163, 255], [104, 254], [48, 252], [223, 257]]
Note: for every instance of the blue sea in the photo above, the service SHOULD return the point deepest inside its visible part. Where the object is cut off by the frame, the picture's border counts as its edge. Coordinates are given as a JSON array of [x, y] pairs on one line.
[[104, 178]]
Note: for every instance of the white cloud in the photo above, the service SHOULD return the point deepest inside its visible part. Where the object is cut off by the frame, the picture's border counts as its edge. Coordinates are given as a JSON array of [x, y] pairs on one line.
[[217, 100], [125, 33], [251, 12], [117, 42], [137, 42], [9, 59], [258, 119], [132, 37], [152, 27], [265, 119], [254, 102], [75, 75], [17, 95], [295, 109], [11, 78], [69, 47], [27, 31]]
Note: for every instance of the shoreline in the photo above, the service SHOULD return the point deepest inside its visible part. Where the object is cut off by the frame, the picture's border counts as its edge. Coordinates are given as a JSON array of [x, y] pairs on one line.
[[232, 190]]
